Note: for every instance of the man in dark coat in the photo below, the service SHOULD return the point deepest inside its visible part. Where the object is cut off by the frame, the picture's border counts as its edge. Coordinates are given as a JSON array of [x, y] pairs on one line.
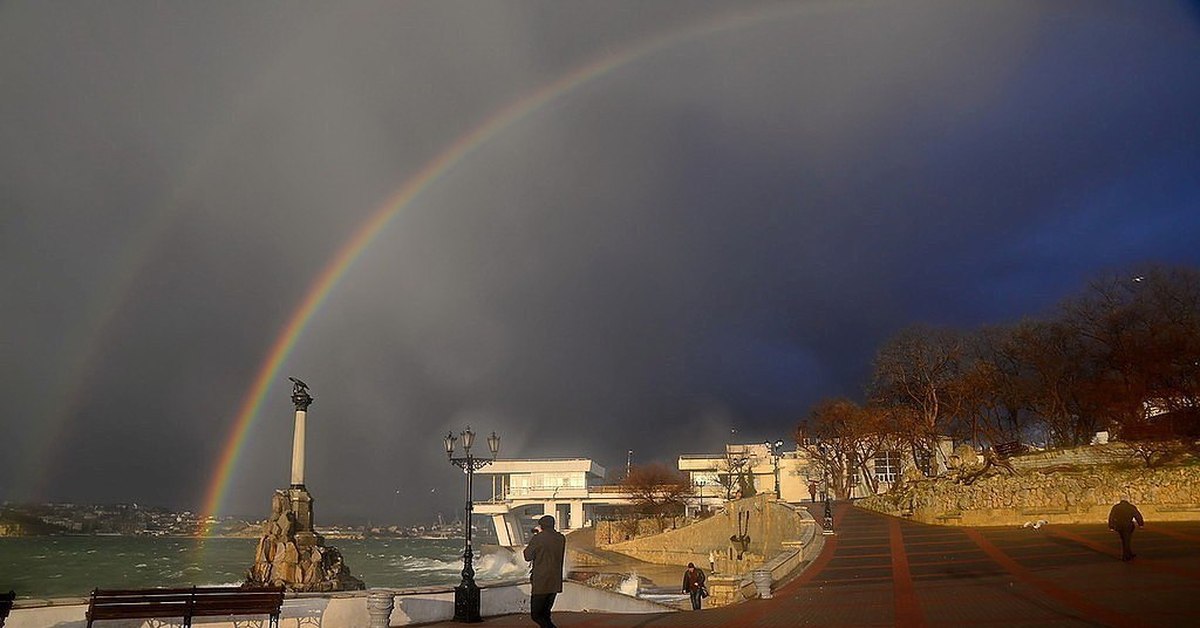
[[545, 551], [1121, 518], [693, 584]]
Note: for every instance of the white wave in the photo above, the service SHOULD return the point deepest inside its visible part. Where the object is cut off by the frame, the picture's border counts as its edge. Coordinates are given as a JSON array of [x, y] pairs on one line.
[[501, 565], [141, 566], [429, 564], [630, 585]]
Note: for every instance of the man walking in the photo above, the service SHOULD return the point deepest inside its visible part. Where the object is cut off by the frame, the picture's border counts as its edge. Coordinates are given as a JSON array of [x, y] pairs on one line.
[[693, 585], [545, 551], [1121, 519]]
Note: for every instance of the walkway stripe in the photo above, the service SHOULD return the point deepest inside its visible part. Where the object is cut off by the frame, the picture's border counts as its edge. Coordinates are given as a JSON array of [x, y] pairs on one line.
[[1111, 551], [1191, 538], [754, 612], [1059, 594], [908, 610]]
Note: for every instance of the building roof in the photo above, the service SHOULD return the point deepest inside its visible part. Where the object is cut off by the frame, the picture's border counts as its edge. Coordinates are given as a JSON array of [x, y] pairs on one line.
[[543, 465]]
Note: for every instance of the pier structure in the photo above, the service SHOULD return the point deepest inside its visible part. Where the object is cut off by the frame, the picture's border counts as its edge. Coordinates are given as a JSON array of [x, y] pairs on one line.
[[569, 489]]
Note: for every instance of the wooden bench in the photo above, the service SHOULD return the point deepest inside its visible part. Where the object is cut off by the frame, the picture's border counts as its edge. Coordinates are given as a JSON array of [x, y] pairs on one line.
[[184, 603], [6, 604], [1009, 449]]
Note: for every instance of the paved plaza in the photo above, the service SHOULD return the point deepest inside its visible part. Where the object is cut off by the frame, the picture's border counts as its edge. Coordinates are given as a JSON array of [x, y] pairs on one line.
[[884, 571]]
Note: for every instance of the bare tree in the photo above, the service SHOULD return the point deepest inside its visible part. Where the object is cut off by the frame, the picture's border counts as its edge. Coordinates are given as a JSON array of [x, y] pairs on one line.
[[735, 474], [657, 491], [1141, 337], [843, 439], [996, 393], [920, 369]]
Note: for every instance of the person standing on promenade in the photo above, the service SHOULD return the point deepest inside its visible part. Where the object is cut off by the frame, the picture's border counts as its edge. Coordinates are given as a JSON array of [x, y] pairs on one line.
[[693, 585], [812, 491], [1121, 519], [712, 561], [545, 551]]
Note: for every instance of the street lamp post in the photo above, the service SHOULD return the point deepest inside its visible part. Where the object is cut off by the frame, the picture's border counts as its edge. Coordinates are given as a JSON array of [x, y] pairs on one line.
[[466, 594], [776, 450], [827, 523]]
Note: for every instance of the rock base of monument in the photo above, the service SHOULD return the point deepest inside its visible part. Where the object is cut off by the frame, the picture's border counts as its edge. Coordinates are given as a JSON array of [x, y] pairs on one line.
[[290, 554]]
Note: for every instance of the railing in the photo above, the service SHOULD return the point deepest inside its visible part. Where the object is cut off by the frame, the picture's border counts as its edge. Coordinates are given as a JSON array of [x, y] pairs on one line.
[[556, 492]]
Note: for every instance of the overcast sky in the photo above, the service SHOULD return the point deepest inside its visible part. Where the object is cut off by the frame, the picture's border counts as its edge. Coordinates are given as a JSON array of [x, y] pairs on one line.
[[710, 237]]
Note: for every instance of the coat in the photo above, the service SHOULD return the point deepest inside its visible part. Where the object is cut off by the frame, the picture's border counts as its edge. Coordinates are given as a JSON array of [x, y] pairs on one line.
[[545, 550], [692, 580], [1123, 515]]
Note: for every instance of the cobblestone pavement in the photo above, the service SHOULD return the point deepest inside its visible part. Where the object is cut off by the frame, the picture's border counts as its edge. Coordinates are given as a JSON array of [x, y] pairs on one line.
[[884, 571]]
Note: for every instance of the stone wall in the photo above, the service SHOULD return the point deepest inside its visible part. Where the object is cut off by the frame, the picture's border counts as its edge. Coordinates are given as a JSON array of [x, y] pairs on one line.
[[1055, 495], [772, 526], [1090, 455], [609, 532]]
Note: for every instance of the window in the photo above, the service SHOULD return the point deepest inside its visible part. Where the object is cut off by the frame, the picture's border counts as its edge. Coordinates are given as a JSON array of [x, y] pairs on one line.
[[887, 466], [925, 463]]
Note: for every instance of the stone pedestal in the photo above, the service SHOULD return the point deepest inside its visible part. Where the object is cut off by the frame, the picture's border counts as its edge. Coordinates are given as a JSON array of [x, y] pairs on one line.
[[380, 603], [291, 554], [762, 582], [301, 505]]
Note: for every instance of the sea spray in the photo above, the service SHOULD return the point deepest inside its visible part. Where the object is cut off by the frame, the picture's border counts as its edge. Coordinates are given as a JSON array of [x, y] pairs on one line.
[[630, 585]]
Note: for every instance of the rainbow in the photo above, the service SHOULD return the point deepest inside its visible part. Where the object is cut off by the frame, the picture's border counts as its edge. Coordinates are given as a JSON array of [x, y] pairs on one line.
[[462, 146]]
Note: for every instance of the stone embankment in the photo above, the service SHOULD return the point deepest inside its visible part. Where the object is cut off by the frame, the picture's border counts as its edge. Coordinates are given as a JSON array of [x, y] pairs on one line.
[[751, 534], [1041, 489], [766, 522]]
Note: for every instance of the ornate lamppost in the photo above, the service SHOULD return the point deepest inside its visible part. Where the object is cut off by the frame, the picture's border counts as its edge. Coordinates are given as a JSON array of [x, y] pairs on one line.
[[776, 450], [827, 523], [466, 594]]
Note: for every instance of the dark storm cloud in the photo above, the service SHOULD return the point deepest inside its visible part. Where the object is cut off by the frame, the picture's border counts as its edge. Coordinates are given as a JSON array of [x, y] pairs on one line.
[[709, 238]]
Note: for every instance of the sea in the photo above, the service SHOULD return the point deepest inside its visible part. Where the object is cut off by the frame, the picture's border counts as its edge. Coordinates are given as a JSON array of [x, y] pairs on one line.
[[70, 566]]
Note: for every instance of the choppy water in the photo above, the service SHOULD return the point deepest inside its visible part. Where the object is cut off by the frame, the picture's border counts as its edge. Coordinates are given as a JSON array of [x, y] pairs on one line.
[[43, 567]]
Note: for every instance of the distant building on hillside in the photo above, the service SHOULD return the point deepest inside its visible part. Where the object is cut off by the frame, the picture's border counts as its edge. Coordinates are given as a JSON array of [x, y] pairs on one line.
[[715, 477]]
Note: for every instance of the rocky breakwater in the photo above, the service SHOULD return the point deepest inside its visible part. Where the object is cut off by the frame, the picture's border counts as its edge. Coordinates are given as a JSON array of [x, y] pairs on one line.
[[292, 555], [1064, 495]]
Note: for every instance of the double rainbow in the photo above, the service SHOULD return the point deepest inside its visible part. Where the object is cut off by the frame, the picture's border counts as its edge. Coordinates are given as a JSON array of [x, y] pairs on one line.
[[464, 145]]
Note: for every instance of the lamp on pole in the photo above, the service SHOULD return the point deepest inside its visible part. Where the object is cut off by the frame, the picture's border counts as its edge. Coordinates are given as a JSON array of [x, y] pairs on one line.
[[466, 594], [776, 450], [827, 523]]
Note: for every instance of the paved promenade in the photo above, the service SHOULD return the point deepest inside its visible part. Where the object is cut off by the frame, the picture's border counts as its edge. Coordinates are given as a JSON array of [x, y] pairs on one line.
[[883, 571]]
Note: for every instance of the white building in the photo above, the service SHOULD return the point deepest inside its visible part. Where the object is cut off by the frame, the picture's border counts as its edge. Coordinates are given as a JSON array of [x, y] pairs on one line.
[[714, 476], [570, 489]]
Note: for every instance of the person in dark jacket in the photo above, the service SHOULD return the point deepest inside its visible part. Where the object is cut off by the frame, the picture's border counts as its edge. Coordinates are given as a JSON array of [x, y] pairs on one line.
[[1121, 519], [693, 585], [545, 551]]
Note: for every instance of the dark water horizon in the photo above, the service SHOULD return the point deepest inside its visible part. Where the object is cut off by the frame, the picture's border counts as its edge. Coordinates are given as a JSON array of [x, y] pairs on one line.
[[71, 566]]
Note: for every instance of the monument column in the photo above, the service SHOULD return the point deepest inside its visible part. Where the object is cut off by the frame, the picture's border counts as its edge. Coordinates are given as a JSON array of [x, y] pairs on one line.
[[301, 399], [290, 553]]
